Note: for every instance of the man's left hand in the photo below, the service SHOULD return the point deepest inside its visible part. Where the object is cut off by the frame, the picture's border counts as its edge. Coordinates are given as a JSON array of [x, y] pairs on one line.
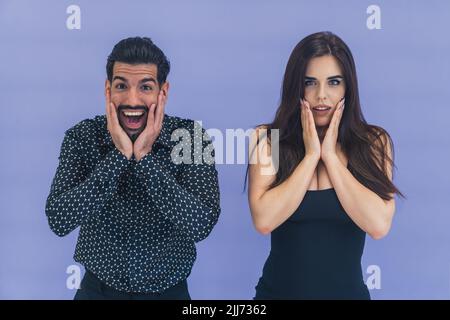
[[144, 143]]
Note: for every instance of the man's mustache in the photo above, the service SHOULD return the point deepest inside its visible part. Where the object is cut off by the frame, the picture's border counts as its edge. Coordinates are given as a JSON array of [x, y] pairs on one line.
[[134, 108]]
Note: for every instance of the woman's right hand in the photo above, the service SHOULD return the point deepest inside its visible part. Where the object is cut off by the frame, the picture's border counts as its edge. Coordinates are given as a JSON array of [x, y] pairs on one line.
[[310, 136]]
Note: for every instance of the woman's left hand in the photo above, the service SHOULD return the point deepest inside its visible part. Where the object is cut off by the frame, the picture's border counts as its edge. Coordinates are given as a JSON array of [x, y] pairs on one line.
[[329, 142]]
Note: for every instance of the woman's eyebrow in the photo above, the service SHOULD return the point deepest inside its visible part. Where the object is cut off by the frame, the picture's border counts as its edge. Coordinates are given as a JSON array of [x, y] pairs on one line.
[[329, 78]]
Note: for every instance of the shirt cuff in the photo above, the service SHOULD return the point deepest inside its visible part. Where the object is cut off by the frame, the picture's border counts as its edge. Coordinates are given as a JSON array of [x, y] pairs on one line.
[[149, 170], [112, 165], [110, 168]]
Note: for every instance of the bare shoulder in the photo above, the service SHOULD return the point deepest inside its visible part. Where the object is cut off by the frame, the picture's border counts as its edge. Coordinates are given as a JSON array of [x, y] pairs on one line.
[[378, 134], [261, 135], [261, 130], [259, 145], [382, 146]]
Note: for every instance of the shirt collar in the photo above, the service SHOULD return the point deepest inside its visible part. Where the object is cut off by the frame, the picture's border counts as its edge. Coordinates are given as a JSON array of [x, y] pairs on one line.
[[163, 139]]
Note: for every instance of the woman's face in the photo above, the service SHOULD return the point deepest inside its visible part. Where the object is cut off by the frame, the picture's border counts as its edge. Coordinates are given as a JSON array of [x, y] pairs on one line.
[[324, 88]]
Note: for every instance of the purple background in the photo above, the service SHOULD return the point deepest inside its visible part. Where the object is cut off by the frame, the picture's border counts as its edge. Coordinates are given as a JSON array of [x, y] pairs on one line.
[[228, 58]]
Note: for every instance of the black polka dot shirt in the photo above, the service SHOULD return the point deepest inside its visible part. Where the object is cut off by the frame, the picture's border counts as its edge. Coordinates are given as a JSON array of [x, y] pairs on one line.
[[139, 221]]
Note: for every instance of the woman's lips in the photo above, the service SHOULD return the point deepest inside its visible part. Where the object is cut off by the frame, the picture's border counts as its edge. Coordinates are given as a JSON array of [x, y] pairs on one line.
[[321, 110]]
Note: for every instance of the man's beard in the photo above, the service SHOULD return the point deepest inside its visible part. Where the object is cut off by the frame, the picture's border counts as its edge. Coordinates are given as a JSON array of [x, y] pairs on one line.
[[132, 133], [133, 136]]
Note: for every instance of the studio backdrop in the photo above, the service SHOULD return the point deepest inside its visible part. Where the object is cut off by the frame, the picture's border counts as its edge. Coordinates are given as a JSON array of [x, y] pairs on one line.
[[228, 59]]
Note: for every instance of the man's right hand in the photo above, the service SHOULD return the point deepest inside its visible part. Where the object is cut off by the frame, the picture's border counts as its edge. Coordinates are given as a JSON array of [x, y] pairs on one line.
[[120, 138]]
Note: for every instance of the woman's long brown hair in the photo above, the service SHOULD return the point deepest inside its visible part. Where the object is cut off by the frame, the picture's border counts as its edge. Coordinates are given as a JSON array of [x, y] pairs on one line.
[[363, 144]]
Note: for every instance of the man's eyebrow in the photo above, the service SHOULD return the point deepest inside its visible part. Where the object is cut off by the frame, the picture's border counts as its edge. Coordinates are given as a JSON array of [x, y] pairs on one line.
[[120, 78], [329, 78], [147, 80]]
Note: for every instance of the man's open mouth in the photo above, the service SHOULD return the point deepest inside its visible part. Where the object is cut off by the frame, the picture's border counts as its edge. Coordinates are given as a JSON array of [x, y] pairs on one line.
[[133, 119]]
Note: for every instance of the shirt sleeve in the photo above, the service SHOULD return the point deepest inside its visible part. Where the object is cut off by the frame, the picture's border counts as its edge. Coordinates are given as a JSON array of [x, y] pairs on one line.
[[76, 194], [191, 201]]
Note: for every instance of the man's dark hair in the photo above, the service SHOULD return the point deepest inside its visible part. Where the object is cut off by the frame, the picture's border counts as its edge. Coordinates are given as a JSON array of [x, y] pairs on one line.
[[137, 50]]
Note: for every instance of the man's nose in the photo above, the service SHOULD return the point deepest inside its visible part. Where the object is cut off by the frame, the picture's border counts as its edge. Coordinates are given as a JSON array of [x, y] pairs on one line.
[[133, 98]]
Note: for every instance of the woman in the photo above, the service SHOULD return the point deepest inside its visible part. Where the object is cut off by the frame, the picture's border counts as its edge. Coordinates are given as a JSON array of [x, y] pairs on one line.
[[332, 183]]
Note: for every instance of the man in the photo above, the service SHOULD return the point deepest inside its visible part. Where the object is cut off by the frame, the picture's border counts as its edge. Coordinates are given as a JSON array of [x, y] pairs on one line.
[[139, 212]]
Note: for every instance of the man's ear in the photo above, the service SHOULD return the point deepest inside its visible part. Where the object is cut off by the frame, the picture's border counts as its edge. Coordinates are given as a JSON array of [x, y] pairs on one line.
[[165, 88], [107, 87]]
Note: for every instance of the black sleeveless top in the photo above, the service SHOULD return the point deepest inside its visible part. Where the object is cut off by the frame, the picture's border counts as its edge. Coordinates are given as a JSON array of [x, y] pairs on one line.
[[315, 254]]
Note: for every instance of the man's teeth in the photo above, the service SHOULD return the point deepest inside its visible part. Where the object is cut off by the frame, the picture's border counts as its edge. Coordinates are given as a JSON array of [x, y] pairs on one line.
[[133, 114]]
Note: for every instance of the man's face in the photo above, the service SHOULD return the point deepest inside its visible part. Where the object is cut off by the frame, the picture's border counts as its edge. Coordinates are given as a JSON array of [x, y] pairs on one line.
[[134, 88]]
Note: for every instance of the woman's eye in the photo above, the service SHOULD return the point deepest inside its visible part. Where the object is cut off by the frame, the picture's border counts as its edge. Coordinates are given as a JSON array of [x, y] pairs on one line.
[[146, 88], [334, 82], [120, 86], [309, 83]]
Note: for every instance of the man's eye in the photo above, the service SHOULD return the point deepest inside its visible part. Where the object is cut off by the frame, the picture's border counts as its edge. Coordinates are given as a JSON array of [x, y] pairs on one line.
[[120, 86], [147, 88], [309, 83], [334, 82]]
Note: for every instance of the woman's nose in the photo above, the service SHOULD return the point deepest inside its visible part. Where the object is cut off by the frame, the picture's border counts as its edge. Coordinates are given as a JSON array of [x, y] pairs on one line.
[[321, 94]]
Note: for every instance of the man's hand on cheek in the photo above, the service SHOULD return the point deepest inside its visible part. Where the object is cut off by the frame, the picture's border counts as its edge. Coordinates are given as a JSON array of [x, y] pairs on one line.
[[118, 135], [144, 143]]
